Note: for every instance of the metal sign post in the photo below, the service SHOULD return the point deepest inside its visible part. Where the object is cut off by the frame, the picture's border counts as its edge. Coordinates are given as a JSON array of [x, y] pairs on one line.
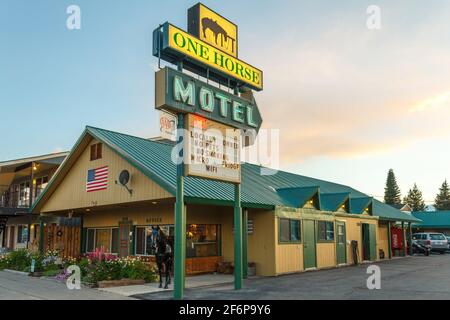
[[180, 216], [238, 270]]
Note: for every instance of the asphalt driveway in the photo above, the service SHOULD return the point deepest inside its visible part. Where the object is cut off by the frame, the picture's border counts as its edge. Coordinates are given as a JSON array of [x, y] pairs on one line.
[[416, 278]]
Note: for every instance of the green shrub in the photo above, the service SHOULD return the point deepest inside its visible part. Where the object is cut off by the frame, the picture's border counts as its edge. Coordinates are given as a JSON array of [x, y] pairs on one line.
[[19, 260]]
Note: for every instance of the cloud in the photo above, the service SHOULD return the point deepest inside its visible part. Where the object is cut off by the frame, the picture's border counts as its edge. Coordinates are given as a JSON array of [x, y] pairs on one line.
[[437, 102], [349, 92]]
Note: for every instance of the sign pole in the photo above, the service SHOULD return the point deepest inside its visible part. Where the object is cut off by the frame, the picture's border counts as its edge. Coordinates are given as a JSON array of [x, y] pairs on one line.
[[238, 269], [245, 243], [180, 217], [238, 274]]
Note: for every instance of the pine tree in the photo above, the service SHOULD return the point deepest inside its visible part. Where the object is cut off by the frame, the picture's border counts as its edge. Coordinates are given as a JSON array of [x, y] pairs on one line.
[[392, 191], [415, 199], [442, 201]]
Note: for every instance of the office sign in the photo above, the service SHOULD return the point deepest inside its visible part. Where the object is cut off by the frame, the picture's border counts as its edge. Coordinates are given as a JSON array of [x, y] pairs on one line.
[[212, 150], [173, 45], [214, 29], [179, 92]]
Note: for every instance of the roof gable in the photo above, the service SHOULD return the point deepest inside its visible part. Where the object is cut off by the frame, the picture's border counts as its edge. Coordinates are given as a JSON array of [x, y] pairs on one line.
[[297, 197], [333, 201]]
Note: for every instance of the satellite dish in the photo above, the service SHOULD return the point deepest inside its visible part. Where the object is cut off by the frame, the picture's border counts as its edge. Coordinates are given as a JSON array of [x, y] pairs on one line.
[[124, 180], [124, 177]]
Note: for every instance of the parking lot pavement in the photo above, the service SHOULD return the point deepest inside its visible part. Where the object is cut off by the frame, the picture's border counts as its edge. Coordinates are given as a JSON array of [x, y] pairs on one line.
[[21, 287], [411, 278]]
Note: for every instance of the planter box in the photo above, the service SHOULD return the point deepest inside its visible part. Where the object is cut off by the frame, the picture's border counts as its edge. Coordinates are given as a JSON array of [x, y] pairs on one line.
[[120, 283]]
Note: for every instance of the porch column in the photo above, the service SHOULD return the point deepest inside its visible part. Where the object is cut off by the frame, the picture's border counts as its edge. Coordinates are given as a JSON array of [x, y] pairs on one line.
[[410, 239], [238, 274], [245, 243], [404, 239], [389, 240], [41, 235], [180, 222], [30, 215]]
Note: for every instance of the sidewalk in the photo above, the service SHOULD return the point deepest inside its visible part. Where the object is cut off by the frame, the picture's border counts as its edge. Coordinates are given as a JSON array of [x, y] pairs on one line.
[[191, 282]]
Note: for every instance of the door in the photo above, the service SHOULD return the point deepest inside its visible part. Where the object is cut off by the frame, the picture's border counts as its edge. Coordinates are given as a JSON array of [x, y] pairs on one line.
[[341, 241], [124, 235], [373, 242], [309, 244], [11, 237], [369, 242]]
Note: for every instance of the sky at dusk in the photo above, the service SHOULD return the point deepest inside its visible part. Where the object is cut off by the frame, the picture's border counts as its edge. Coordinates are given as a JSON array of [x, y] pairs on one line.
[[350, 102]]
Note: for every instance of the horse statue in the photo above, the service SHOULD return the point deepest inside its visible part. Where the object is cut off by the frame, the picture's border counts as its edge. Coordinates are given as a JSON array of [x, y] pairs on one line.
[[217, 30], [163, 254]]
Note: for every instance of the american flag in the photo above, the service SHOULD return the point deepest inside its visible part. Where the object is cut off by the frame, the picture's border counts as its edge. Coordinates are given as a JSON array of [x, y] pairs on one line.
[[97, 179]]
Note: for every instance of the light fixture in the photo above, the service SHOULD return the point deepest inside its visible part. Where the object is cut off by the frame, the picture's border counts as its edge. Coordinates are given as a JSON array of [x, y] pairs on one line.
[[88, 210], [34, 167], [154, 202]]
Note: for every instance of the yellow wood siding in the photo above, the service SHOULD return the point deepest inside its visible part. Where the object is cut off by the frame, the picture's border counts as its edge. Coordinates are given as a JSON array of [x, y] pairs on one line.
[[326, 255], [288, 257], [71, 193], [383, 242]]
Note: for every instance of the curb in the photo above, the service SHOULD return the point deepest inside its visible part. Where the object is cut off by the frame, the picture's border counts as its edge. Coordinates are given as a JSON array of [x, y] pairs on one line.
[[16, 272]]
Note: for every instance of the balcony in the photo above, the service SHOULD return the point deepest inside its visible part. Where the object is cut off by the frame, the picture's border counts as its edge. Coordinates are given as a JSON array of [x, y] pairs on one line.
[[17, 202]]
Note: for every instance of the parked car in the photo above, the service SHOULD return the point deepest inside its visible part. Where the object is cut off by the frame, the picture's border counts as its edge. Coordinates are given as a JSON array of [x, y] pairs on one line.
[[437, 241], [448, 240]]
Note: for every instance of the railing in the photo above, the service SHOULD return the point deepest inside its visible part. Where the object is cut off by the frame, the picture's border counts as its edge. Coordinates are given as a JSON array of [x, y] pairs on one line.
[[18, 199]]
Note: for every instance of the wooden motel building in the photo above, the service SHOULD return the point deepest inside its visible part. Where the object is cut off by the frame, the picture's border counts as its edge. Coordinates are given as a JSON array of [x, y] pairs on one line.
[[293, 223]]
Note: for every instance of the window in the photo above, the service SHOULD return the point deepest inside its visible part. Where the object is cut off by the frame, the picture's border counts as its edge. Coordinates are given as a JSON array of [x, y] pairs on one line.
[[144, 239], [289, 230], [24, 194], [22, 234], [41, 183], [202, 240], [96, 151], [437, 236], [325, 230], [106, 238]]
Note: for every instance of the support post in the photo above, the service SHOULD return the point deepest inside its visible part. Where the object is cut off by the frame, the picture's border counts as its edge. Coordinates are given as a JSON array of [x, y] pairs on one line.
[[404, 239], [245, 243], [238, 275], [30, 200], [41, 236], [180, 220], [410, 239], [389, 240]]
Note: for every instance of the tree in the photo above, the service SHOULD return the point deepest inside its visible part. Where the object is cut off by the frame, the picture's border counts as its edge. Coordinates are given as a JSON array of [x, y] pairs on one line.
[[415, 199], [392, 194], [442, 201]]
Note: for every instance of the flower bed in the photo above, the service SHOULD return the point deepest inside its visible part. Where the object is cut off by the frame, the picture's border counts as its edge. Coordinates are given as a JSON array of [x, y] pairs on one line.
[[95, 267]]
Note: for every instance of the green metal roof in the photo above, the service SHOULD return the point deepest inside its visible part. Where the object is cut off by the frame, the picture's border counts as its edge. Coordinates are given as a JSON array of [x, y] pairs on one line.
[[358, 205], [332, 201], [432, 219], [258, 190], [297, 197]]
